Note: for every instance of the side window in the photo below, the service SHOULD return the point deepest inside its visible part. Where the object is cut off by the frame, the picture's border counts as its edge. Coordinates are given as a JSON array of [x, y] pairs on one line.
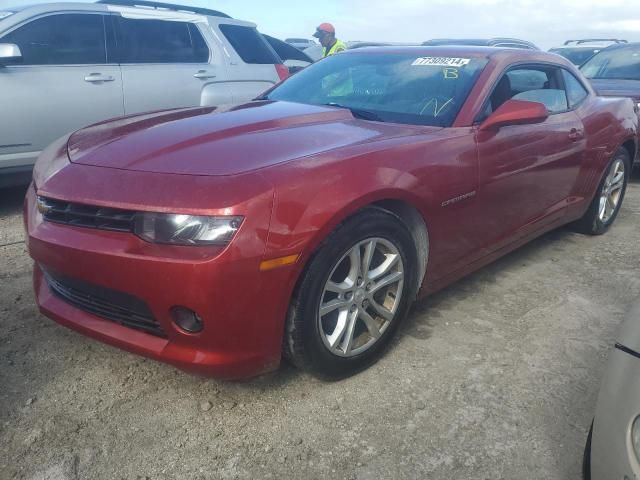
[[161, 41], [576, 92], [249, 44], [533, 84], [64, 39]]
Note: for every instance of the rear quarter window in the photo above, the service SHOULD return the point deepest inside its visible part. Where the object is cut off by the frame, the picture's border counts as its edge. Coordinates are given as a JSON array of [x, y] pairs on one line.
[[576, 92], [249, 44]]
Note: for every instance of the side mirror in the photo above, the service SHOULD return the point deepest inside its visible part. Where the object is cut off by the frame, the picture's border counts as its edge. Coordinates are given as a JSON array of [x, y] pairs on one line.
[[9, 53], [515, 112]]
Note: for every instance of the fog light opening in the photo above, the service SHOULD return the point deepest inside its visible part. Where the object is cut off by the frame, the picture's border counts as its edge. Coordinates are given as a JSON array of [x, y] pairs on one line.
[[187, 319]]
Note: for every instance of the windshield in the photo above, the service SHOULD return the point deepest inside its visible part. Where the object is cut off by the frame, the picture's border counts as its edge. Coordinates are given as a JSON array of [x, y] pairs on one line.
[[399, 88], [617, 63], [577, 56]]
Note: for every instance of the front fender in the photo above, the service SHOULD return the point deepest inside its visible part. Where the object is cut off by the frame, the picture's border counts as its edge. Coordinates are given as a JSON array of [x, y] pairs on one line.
[[304, 216]]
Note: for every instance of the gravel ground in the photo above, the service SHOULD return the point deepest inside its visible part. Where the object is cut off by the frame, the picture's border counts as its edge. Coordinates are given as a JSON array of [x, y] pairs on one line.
[[494, 378]]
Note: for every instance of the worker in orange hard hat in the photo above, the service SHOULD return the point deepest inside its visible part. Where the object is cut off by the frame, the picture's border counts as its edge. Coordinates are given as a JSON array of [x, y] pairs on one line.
[[326, 33]]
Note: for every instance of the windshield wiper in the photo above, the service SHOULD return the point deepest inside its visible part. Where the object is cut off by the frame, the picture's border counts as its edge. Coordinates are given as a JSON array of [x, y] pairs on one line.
[[358, 112]]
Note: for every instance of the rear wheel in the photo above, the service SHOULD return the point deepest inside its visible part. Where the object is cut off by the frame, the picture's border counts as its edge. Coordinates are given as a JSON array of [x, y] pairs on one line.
[[608, 199], [352, 296]]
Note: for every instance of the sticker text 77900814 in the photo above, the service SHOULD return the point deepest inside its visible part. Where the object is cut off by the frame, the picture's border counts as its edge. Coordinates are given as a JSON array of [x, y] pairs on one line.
[[441, 62]]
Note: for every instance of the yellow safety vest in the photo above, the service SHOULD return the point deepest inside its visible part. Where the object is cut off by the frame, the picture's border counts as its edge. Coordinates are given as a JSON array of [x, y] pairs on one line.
[[337, 48]]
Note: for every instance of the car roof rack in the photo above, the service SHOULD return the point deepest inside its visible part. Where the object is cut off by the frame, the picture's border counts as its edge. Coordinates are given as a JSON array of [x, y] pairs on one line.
[[165, 6], [589, 40]]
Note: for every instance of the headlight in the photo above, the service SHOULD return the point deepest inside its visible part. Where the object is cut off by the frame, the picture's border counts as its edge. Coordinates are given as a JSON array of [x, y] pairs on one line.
[[186, 229], [635, 438]]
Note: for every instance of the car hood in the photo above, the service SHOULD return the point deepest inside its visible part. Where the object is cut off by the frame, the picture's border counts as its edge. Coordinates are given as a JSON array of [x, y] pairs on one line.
[[617, 88], [629, 334], [223, 141]]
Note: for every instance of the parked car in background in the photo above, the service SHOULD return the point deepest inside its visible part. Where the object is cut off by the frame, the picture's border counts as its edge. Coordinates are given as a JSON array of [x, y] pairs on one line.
[[300, 43], [294, 59], [309, 220], [613, 445], [483, 42], [67, 65], [615, 72], [579, 51]]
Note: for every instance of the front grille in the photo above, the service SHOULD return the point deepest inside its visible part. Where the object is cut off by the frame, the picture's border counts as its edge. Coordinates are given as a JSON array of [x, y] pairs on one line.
[[88, 216], [109, 304]]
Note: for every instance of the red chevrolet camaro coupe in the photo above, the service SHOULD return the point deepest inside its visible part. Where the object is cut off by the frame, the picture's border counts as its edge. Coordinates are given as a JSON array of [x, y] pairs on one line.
[[306, 222]]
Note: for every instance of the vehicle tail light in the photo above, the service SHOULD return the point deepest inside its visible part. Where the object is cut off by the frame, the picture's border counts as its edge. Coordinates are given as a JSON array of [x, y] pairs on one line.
[[283, 71]]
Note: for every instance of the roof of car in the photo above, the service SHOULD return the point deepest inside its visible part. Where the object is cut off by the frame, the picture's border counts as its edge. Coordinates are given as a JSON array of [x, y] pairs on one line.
[[608, 41], [622, 46], [149, 9], [583, 46], [163, 6], [477, 41], [15, 9], [501, 55], [456, 51], [147, 6]]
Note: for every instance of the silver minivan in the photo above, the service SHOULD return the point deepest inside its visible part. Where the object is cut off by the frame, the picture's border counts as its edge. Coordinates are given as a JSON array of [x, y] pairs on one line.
[[67, 65]]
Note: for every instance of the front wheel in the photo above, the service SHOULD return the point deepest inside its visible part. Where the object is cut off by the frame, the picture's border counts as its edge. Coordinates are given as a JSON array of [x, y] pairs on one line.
[[608, 199], [353, 295]]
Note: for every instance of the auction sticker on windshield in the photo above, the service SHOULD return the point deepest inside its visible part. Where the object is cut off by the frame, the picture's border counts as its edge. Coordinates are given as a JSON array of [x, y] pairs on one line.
[[441, 62]]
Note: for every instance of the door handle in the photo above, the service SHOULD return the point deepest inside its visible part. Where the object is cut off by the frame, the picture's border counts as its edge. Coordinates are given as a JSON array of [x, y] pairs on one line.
[[98, 78], [576, 135], [204, 75]]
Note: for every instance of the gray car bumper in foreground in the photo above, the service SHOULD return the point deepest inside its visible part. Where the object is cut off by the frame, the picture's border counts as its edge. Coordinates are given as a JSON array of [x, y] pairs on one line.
[[612, 456]]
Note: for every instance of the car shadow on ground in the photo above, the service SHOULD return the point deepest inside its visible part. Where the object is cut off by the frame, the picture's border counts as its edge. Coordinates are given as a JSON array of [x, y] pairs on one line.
[[11, 200], [428, 308]]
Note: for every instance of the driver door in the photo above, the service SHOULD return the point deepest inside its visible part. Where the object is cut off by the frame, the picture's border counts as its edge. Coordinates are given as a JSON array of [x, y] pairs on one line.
[[527, 172]]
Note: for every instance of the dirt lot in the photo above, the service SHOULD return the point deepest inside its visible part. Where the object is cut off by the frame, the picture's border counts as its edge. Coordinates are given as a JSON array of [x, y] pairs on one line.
[[494, 378]]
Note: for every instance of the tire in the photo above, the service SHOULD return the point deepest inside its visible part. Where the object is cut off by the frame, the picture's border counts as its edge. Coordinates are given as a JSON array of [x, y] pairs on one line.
[[320, 341], [594, 221], [586, 459]]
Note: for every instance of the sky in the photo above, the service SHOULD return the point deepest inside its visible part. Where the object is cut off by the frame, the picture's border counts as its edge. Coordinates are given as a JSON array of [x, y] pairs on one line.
[[547, 23]]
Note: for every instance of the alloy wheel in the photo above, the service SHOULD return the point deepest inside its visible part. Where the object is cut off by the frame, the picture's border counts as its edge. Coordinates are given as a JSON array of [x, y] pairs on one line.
[[361, 297], [612, 191]]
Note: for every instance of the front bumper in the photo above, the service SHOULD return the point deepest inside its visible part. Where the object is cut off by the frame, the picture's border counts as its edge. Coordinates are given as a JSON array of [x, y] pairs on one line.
[[612, 455], [242, 308]]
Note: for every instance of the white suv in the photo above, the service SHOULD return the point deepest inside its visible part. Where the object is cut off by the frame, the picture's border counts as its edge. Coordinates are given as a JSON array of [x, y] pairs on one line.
[[67, 65]]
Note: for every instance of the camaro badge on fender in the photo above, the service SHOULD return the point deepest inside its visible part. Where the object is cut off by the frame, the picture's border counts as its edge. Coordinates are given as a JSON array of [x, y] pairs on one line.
[[459, 199]]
